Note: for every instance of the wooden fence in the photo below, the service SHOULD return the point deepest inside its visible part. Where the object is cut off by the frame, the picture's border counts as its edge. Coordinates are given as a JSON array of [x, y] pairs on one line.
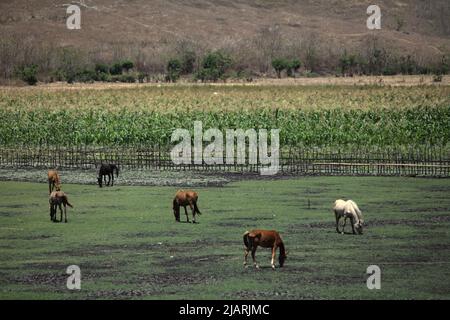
[[413, 161]]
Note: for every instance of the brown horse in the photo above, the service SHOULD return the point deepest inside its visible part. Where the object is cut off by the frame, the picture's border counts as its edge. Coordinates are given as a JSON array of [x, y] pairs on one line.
[[53, 181], [56, 199], [183, 199], [265, 239]]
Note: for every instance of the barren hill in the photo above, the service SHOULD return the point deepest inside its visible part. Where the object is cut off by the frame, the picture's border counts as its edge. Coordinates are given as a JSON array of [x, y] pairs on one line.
[[148, 29]]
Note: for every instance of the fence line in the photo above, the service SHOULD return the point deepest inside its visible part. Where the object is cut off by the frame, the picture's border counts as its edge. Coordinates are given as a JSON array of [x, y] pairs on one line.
[[413, 161]]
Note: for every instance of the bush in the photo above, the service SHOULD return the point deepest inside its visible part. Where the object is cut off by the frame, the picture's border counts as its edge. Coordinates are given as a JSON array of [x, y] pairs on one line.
[[437, 78], [174, 68], [214, 67], [188, 62], [142, 77], [86, 75], [128, 78], [101, 68], [127, 65], [28, 74], [116, 69], [293, 67]]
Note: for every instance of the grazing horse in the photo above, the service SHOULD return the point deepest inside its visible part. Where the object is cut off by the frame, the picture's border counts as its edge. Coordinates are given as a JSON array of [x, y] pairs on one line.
[[349, 210], [53, 181], [56, 199], [183, 199], [107, 170], [266, 239]]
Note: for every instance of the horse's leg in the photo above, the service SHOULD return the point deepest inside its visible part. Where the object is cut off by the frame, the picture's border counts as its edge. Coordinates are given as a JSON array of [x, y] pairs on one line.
[[254, 258], [112, 179], [246, 252], [109, 178], [49, 187], [337, 223], [65, 214], [187, 217], [345, 222], [104, 178], [193, 212], [274, 250], [352, 220], [61, 211]]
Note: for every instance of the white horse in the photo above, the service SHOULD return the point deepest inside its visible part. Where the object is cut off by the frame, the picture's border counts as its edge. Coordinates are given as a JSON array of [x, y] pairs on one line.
[[349, 210]]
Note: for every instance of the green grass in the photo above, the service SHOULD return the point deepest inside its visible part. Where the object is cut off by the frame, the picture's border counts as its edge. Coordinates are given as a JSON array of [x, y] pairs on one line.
[[127, 244]]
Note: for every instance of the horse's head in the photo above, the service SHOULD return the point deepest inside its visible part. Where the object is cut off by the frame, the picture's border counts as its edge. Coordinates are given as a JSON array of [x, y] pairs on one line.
[[282, 258], [176, 210], [359, 226], [58, 187], [99, 180]]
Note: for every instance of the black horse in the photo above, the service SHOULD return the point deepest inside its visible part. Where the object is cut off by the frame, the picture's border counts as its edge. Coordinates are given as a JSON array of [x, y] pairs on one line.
[[107, 170]]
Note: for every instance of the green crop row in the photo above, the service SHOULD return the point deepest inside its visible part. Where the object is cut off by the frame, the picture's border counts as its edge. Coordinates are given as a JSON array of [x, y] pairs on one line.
[[419, 125]]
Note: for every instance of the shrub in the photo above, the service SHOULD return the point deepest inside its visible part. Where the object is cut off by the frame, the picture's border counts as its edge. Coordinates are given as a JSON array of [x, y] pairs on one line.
[[101, 68], [174, 68], [142, 77], [128, 78], [437, 78], [214, 66], [28, 74], [127, 65], [293, 67], [116, 69], [188, 62]]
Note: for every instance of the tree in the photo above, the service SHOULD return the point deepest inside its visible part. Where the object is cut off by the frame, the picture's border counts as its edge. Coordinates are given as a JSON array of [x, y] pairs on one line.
[[279, 64], [214, 66], [174, 68], [127, 65], [116, 69], [293, 67], [28, 74]]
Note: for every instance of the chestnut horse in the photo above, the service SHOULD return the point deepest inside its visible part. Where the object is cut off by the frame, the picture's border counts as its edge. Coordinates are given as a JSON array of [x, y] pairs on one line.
[[107, 170], [56, 199], [183, 199], [53, 181], [266, 239]]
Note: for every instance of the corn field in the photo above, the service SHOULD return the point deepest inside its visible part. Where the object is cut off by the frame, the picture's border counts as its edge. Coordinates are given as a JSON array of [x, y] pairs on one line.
[[396, 121]]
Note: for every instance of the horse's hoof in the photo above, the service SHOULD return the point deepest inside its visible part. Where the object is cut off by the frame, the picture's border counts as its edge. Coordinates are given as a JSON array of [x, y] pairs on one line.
[[257, 267], [342, 232], [273, 267]]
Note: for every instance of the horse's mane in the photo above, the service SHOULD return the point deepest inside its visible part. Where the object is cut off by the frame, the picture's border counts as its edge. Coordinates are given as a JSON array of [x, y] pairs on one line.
[[357, 211]]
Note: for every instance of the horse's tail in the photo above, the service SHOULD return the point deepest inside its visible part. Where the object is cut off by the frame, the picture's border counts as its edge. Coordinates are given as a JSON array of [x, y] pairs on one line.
[[196, 208], [247, 242], [66, 200]]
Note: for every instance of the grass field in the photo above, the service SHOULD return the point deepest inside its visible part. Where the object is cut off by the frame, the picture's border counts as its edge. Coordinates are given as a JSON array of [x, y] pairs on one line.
[[127, 244]]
